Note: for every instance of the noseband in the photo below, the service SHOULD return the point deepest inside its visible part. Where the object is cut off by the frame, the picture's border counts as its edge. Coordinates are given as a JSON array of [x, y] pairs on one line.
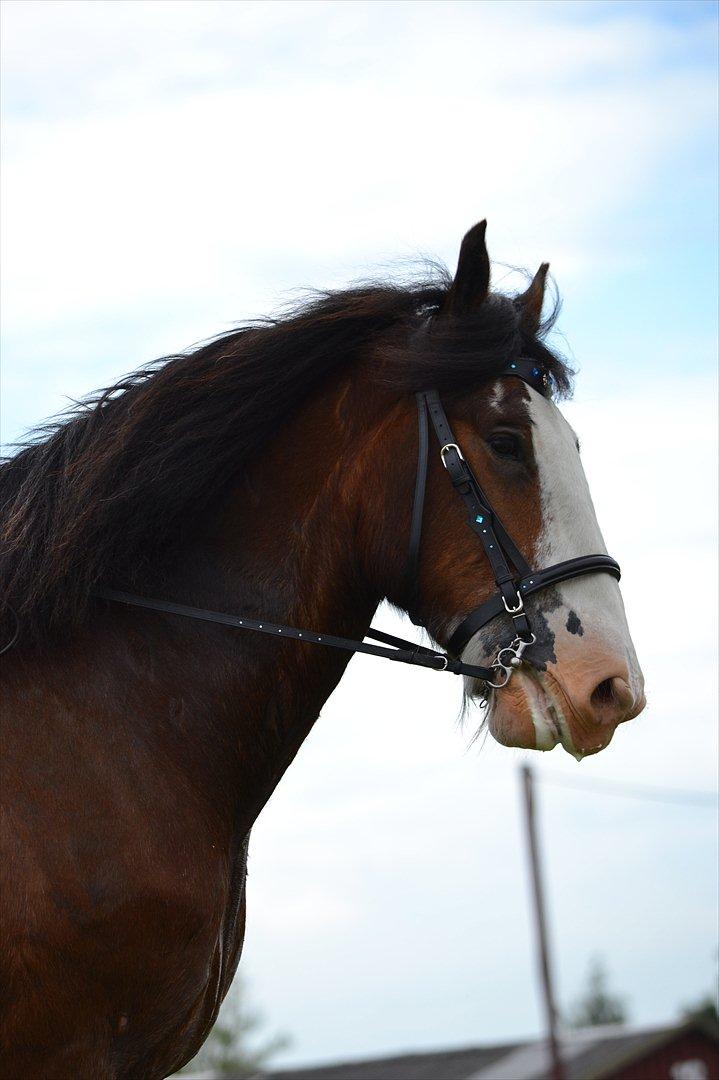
[[513, 575]]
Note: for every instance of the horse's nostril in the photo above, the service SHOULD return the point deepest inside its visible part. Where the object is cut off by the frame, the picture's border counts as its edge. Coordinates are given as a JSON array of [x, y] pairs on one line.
[[604, 694], [611, 701]]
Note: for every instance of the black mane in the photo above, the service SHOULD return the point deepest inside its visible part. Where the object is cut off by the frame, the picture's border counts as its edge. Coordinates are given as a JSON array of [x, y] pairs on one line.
[[98, 494]]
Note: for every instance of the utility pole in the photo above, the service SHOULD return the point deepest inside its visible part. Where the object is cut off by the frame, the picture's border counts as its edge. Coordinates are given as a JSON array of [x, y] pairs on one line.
[[545, 970]]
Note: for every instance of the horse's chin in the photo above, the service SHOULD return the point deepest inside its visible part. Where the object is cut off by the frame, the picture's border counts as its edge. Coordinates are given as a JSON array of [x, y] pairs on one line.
[[527, 714]]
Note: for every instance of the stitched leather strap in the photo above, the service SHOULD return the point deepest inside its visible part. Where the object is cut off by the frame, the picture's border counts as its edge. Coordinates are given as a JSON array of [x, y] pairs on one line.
[[482, 519], [420, 487], [532, 583], [403, 652]]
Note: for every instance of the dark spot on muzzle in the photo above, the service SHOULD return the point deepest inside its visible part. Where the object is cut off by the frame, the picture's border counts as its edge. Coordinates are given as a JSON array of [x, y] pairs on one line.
[[499, 634], [574, 624], [542, 652]]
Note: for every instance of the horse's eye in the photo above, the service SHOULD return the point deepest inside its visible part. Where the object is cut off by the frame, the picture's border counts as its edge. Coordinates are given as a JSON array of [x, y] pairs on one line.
[[506, 445]]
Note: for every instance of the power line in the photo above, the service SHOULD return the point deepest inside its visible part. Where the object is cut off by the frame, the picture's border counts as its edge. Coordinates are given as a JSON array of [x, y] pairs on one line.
[[673, 796]]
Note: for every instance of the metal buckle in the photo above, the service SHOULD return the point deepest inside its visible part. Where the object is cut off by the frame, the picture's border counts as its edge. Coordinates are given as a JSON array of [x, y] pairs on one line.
[[444, 659], [450, 446], [513, 610]]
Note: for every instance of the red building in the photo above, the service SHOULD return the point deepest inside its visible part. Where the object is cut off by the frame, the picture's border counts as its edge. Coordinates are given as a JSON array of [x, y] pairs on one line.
[[685, 1051]]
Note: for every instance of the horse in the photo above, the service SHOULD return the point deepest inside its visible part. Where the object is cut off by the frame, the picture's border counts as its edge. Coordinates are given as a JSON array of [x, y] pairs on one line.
[[270, 472]]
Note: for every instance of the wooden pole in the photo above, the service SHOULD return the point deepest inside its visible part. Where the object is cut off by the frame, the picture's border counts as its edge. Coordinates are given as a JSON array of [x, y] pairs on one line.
[[545, 970]]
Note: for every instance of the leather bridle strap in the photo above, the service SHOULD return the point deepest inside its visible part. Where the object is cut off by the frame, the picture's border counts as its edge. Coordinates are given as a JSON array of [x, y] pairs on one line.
[[498, 545], [402, 651], [532, 583], [411, 573], [513, 574]]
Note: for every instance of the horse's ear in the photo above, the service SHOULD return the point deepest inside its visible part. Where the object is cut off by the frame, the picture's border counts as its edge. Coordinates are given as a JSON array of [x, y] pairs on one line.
[[530, 302], [471, 282]]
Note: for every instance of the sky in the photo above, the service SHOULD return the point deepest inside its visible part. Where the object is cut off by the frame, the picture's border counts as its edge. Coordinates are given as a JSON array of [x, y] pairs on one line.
[[172, 168]]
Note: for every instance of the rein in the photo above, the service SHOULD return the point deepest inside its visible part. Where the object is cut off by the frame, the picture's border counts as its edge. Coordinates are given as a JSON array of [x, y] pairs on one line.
[[402, 651], [513, 575]]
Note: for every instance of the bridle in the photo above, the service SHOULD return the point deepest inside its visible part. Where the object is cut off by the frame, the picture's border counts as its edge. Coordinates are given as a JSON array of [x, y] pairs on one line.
[[513, 575]]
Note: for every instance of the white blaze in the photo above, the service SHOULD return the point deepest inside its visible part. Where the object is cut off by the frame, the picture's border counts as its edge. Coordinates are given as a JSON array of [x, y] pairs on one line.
[[570, 529], [588, 630]]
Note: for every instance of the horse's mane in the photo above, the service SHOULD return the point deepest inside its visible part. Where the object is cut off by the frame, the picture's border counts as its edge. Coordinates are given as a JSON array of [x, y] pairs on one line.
[[105, 490]]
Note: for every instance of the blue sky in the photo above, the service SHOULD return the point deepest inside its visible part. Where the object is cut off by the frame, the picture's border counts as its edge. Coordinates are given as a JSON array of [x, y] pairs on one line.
[[172, 168]]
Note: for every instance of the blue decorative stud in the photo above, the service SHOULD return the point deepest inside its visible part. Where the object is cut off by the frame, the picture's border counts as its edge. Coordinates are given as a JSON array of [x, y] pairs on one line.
[[536, 371], [479, 519], [513, 365]]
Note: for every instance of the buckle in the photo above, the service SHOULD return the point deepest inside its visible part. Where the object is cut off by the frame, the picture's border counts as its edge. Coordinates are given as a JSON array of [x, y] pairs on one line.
[[450, 446], [513, 611], [427, 659]]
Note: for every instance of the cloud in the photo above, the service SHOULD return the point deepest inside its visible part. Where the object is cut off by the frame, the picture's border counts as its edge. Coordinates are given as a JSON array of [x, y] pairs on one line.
[[173, 167], [197, 147]]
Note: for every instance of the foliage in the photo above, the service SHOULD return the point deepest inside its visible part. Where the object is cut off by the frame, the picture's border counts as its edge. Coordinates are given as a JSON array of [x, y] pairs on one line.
[[597, 1005], [703, 1009], [707, 1007], [230, 1049]]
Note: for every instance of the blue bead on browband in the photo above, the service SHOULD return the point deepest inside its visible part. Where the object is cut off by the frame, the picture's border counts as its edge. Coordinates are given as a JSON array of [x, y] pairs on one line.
[[530, 371]]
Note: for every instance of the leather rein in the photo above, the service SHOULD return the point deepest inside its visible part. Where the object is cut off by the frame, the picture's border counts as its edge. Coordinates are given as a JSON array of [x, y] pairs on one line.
[[513, 575]]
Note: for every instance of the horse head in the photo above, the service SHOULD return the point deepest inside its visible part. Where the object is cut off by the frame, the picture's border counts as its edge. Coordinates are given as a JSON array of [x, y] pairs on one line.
[[579, 678]]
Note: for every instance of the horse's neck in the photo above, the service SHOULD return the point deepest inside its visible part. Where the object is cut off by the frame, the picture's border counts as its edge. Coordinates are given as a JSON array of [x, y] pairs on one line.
[[291, 546]]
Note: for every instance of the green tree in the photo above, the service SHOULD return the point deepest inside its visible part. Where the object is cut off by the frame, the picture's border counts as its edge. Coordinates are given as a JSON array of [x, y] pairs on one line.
[[703, 1009], [596, 1005], [231, 1048]]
